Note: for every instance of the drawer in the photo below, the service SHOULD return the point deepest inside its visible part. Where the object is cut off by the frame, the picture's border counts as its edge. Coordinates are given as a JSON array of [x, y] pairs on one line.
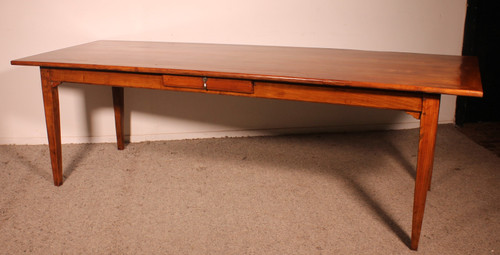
[[210, 84], [230, 85], [179, 81]]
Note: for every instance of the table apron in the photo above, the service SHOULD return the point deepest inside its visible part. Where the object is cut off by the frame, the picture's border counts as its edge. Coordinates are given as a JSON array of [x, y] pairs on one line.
[[410, 102]]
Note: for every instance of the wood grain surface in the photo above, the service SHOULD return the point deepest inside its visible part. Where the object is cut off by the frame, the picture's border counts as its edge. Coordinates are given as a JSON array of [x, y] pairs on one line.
[[437, 74]]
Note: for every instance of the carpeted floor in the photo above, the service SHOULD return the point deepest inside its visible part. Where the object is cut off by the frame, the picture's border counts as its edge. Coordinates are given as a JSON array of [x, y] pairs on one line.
[[486, 134], [305, 194]]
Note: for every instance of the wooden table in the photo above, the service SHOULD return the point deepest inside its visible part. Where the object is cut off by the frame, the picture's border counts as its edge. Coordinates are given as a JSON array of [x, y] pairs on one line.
[[402, 81]]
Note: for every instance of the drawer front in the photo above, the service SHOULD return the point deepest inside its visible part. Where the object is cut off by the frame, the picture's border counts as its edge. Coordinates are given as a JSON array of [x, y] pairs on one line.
[[230, 85], [178, 81], [210, 84]]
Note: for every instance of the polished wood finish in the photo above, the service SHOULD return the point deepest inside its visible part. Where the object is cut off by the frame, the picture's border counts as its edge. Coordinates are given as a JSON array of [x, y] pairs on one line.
[[212, 84], [427, 141], [51, 105], [118, 107], [396, 100], [230, 85], [400, 81], [180, 81], [336, 67]]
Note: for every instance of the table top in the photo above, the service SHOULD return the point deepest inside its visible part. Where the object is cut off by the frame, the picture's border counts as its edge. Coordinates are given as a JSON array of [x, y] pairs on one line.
[[440, 74]]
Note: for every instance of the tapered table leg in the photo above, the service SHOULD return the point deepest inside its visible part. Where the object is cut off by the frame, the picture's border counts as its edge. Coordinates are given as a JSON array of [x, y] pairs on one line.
[[51, 106], [118, 98], [427, 141]]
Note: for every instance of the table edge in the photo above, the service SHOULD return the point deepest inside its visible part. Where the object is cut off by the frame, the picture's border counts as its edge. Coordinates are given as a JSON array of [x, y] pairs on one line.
[[256, 77]]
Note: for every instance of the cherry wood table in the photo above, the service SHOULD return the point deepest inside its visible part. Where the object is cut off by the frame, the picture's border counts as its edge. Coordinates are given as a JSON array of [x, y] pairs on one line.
[[400, 81]]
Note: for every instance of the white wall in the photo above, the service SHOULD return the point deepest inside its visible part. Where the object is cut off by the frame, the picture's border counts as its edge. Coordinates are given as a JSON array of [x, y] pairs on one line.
[[28, 27]]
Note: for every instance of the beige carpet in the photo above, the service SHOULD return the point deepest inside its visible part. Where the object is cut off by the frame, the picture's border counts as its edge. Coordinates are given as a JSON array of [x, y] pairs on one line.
[[306, 194]]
